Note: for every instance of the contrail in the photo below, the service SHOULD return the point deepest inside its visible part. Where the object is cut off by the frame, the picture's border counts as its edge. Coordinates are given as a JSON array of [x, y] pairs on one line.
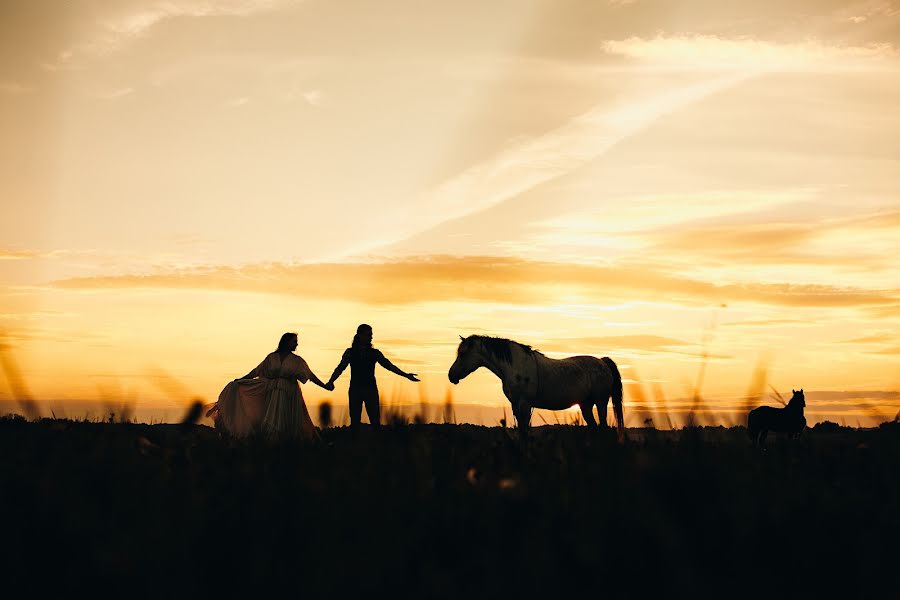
[[556, 153]]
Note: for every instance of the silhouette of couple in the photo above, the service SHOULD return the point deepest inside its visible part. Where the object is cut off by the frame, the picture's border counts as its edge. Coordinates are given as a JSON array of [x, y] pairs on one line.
[[268, 398]]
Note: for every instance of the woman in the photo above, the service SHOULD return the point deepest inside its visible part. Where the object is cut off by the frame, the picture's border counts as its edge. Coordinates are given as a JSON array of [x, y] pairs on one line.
[[362, 357], [268, 398]]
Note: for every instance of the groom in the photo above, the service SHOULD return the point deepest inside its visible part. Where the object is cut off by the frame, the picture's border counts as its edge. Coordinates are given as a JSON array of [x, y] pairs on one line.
[[362, 358]]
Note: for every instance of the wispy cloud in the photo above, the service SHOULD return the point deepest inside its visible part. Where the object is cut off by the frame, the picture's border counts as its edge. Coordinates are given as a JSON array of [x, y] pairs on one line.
[[872, 339], [18, 254], [637, 343], [484, 279], [10, 254], [768, 243], [520, 168], [868, 10], [719, 63], [637, 217], [892, 351], [116, 31], [710, 52], [114, 94], [741, 227], [755, 323], [312, 97]]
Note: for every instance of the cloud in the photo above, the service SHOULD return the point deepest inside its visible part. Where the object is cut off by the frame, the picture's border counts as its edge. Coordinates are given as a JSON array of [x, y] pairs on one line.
[[722, 63], [651, 343], [710, 52], [834, 242], [640, 212], [526, 165], [720, 230], [736, 238], [115, 94], [137, 23], [626, 343], [313, 97], [893, 351], [483, 279], [868, 10], [35, 315], [766, 323], [871, 339], [878, 405], [725, 236], [779, 244], [116, 31], [885, 312], [882, 220], [18, 254], [415, 343], [9, 254]]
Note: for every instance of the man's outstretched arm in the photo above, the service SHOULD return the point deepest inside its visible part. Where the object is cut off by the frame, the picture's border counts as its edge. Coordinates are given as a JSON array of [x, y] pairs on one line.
[[384, 362]]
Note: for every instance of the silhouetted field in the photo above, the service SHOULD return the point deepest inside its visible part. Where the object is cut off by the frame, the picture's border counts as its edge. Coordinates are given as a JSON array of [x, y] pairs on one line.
[[449, 510]]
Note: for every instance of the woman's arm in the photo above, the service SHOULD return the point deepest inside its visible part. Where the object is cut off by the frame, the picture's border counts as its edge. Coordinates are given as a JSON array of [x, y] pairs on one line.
[[384, 362], [251, 374], [257, 370], [318, 382]]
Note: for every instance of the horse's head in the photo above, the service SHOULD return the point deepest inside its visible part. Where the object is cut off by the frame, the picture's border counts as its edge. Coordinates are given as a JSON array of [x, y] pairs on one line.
[[468, 358], [798, 400]]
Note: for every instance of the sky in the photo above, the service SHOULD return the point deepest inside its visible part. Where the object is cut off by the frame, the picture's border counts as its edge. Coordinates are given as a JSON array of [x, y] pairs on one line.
[[702, 191]]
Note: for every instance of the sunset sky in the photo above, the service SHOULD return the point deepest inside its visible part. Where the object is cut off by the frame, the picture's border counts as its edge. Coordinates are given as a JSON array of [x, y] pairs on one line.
[[705, 193]]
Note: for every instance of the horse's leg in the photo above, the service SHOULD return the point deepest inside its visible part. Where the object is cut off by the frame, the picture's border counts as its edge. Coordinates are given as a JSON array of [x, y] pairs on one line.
[[522, 410], [601, 410], [587, 411]]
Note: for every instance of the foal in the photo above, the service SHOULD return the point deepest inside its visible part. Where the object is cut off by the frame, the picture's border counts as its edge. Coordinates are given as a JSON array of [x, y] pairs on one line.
[[788, 420]]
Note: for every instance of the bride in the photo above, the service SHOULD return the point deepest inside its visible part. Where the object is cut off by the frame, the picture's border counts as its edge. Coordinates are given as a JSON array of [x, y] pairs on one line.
[[268, 398]]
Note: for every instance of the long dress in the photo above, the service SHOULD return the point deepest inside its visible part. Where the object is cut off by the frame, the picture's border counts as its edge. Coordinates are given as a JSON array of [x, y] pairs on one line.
[[269, 402]]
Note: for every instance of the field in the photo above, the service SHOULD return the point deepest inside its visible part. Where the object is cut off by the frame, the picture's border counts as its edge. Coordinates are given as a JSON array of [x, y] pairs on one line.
[[449, 510]]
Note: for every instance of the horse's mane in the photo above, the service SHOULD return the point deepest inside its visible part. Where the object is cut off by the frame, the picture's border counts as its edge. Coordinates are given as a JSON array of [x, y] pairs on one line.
[[501, 348]]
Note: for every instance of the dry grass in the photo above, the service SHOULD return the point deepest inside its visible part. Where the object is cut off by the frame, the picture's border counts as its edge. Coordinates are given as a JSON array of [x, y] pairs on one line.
[[447, 510]]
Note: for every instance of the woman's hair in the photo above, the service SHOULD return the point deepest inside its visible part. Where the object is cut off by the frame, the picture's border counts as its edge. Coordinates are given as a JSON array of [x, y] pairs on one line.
[[285, 341], [357, 341]]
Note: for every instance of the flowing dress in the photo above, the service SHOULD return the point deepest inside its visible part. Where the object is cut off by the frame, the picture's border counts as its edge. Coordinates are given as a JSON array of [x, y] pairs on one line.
[[270, 401]]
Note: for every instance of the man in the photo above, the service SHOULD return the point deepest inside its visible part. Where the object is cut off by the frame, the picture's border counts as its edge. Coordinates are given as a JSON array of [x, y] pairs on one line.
[[362, 358]]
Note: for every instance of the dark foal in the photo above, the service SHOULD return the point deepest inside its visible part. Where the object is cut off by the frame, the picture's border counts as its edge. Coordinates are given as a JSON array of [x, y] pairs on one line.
[[788, 420]]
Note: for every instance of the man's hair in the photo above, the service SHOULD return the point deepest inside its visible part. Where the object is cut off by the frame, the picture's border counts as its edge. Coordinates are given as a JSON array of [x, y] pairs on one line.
[[357, 339]]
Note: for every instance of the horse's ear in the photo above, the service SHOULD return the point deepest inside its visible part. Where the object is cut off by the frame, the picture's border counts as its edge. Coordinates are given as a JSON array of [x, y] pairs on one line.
[[462, 339], [801, 390], [793, 391]]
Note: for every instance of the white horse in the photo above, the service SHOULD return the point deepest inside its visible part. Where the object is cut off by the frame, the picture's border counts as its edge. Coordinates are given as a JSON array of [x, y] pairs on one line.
[[531, 380]]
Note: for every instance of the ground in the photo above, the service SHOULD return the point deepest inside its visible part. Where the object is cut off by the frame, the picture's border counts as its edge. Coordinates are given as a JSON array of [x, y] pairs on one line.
[[449, 510]]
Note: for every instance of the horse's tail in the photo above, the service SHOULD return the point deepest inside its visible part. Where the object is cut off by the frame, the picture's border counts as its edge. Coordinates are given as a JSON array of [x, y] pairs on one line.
[[616, 394]]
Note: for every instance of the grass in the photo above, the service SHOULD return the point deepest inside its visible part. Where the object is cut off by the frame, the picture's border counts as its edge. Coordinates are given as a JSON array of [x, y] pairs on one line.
[[449, 510]]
